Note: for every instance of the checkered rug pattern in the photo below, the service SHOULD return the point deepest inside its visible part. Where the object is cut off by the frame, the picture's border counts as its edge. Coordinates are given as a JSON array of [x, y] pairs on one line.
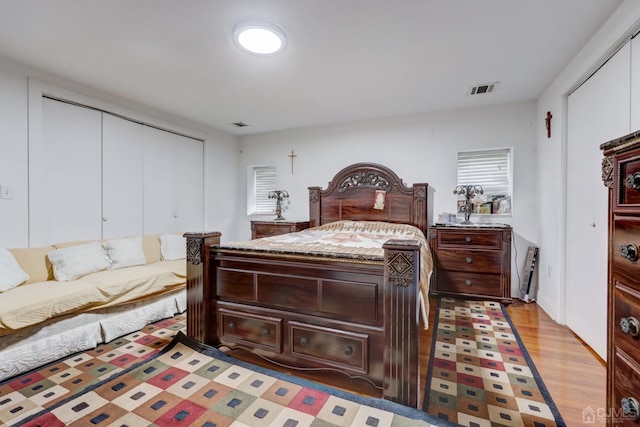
[[480, 373], [131, 382]]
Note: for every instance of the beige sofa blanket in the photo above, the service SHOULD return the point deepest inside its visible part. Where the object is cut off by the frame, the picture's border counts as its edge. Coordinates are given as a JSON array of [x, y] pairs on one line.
[[36, 302]]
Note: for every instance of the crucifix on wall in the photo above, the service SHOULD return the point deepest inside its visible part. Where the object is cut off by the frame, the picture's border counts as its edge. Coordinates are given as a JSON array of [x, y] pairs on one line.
[[292, 155]]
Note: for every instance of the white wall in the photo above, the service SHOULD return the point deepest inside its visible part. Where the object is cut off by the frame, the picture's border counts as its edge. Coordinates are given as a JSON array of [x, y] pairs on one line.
[[551, 154], [221, 154], [419, 148]]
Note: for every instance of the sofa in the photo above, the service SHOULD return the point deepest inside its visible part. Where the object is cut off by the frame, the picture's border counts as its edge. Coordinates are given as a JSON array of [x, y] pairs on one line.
[[69, 297]]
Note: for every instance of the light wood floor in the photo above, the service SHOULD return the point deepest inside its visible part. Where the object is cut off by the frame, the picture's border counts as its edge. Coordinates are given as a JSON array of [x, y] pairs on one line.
[[573, 374]]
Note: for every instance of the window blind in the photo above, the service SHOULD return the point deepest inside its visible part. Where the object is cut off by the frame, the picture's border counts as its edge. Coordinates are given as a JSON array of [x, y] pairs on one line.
[[488, 168], [265, 182]]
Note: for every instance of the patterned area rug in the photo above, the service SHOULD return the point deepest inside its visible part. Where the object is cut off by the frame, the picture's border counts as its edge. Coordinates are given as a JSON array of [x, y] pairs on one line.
[[480, 373], [131, 382]]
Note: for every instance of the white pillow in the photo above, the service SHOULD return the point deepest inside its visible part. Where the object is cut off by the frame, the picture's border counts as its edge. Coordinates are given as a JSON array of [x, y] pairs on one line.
[[11, 275], [125, 252], [172, 247], [77, 261]]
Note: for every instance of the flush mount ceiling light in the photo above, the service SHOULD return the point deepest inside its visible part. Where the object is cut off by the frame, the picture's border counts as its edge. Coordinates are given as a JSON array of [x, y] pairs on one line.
[[259, 37]]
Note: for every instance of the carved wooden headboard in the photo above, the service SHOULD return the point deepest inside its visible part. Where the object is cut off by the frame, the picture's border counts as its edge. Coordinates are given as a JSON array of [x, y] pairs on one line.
[[351, 195]]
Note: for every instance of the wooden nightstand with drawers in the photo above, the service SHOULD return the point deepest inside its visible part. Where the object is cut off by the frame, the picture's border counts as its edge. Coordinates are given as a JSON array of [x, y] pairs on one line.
[[471, 261], [273, 228]]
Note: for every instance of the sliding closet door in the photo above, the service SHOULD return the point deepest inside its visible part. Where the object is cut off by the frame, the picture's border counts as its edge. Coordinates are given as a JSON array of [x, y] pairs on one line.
[[635, 83], [173, 183], [122, 177], [65, 196], [598, 111]]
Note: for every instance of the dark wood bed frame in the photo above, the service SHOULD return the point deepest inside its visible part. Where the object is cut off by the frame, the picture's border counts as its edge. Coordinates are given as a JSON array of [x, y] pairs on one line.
[[357, 317]]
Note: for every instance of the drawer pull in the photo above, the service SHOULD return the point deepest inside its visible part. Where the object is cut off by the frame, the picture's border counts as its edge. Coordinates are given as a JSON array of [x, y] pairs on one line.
[[271, 232], [630, 407], [468, 260], [467, 239], [629, 252], [232, 326], [266, 332], [304, 341], [467, 282], [348, 350], [633, 181], [630, 325]]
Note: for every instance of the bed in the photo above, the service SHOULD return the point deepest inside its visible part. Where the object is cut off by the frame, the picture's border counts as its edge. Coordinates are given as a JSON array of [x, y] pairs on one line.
[[353, 311]]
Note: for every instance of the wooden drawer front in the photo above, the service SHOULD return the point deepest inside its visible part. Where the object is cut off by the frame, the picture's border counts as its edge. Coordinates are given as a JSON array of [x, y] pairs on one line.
[[629, 174], [329, 346], [469, 283], [626, 242], [249, 329], [627, 385], [470, 239], [627, 307], [352, 301], [266, 230], [470, 260]]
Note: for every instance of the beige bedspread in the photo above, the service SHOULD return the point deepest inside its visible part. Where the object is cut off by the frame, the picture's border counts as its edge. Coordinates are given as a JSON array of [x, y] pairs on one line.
[[36, 302], [350, 239]]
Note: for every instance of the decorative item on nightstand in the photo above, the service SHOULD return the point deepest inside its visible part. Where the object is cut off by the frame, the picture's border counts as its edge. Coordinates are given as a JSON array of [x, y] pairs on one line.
[[280, 196], [469, 192]]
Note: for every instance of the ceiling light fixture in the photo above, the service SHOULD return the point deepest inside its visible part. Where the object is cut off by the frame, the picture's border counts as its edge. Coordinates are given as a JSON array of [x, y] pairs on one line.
[[259, 37]]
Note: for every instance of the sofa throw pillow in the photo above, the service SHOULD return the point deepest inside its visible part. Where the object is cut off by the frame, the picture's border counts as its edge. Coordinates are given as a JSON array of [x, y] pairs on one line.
[[77, 261], [11, 275], [125, 252], [172, 247]]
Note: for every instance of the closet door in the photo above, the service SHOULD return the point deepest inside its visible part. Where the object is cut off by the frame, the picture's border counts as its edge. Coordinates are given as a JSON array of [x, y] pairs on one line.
[[65, 194], [635, 83], [173, 183], [122, 177], [598, 111]]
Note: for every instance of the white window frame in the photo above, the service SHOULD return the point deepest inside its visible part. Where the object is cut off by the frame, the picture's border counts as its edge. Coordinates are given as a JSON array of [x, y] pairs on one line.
[[487, 181], [261, 179]]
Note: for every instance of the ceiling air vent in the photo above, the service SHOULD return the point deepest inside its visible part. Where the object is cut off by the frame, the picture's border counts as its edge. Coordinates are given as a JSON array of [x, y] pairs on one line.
[[240, 124], [483, 88]]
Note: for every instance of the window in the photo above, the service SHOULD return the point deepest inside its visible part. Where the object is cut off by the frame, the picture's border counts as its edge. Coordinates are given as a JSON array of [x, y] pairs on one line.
[[260, 181], [492, 170]]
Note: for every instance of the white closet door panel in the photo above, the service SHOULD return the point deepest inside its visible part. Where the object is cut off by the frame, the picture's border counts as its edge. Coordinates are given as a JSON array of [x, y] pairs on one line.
[[161, 167], [191, 185], [123, 177], [65, 178], [635, 83], [597, 112]]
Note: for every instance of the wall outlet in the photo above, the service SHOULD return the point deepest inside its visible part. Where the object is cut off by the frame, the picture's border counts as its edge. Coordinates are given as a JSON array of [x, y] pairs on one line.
[[5, 192]]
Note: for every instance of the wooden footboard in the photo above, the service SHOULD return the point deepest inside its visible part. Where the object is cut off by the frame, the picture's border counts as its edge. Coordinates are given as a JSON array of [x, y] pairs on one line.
[[356, 317]]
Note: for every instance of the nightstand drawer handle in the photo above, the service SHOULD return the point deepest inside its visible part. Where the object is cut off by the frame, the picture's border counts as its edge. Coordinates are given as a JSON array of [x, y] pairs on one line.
[[467, 239], [469, 260], [467, 282], [630, 407], [232, 326], [633, 181], [348, 350], [272, 231], [266, 332], [629, 252], [304, 341], [630, 325]]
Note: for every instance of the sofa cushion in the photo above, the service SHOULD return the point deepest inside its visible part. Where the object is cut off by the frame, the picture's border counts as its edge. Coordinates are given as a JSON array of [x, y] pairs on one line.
[[11, 275], [77, 261], [125, 252], [173, 247], [35, 262]]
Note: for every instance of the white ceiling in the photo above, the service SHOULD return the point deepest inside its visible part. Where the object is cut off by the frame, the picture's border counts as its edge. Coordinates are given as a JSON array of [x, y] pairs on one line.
[[346, 59]]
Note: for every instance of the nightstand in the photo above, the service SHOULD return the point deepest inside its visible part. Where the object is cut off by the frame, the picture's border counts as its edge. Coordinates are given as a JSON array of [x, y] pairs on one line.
[[471, 261], [273, 228]]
